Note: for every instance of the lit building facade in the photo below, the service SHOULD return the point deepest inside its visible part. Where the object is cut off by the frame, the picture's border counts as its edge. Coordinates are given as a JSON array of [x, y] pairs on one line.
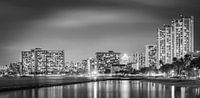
[[105, 60], [16, 68], [138, 61], [150, 55], [85, 64], [183, 30], [165, 44], [28, 62], [55, 60], [141, 60], [90, 65], [42, 61], [176, 40]]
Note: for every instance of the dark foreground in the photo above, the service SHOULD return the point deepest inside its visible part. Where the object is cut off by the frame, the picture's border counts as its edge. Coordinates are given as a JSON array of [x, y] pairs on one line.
[[15, 83]]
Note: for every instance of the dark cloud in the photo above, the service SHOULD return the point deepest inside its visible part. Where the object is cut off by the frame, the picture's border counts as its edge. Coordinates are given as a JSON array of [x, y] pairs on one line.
[[82, 27]]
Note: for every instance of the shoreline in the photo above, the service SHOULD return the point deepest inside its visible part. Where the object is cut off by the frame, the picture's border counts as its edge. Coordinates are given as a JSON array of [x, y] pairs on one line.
[[176, 82], [21, 83]]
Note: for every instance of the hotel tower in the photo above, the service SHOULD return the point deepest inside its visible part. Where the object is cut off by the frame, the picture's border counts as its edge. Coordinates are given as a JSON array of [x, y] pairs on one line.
[[176, 40]]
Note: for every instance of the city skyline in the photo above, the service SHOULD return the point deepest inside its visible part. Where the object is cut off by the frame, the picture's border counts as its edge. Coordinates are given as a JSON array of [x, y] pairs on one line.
[[99, 48], [81, 29]]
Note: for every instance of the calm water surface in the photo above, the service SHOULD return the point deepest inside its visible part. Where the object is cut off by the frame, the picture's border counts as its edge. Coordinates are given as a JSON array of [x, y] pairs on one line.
[[107, 89]]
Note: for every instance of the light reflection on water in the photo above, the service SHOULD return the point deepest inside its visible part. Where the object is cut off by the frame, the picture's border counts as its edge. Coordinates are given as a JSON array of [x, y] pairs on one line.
[[125, 88], [173, 92], [108, 89]]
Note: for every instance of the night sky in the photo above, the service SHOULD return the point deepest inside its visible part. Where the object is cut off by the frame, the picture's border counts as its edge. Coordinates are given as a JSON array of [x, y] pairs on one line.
[[83, 27]]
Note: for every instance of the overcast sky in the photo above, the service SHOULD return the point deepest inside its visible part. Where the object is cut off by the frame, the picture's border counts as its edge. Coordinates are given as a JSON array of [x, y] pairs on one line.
[[83, 27]]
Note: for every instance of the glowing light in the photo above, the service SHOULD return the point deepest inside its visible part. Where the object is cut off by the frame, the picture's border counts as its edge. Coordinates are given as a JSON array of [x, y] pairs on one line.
[[95, 72], [125, 59], [125, 89], [172, 72], [95, 90], [95, 77], [182, 92], [172, 92]]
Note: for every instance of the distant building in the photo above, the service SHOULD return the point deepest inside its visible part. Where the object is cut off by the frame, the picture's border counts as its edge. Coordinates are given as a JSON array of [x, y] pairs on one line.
[[141, 60], [85, 64], [15, 68], [118, 68], [150, 55], [42, 61], [90, 64], [105, 60], [4, 70], [71, 67], [138, 61], [55, 60]]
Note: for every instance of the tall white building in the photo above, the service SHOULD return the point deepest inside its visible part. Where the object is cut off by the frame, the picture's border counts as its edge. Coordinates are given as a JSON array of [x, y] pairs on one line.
[[150, 55], [176, 40], [165, 44], [183, 30]]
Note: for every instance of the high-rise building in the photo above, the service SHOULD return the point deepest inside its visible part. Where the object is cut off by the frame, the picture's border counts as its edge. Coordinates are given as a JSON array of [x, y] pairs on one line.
[[28, 65], [150, 55], [42, 61], [165, 44], [105, 60], [55, 60], [183, 30], [176, 40]]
